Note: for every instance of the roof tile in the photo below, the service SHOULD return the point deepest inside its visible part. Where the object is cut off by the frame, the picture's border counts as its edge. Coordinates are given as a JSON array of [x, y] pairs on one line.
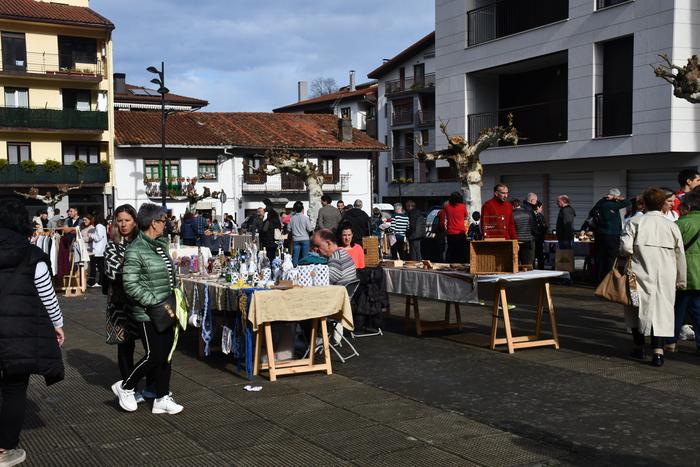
[[49, 12], [240, 129], [341, 95]]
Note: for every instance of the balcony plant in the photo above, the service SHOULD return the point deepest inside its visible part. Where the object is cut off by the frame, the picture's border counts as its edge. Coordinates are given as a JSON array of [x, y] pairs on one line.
[[3, 163], [464, 157], [28, 166], [80, 165], [52, 166]]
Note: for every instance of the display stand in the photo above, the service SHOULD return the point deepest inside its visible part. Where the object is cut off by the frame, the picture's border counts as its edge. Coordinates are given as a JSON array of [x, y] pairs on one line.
[[74, 283], [295, 366], [500, 302], [420, 325]]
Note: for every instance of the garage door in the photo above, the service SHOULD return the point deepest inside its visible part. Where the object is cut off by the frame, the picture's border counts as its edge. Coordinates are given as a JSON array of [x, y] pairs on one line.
[[640, 180], [520, 185], [578, 187]]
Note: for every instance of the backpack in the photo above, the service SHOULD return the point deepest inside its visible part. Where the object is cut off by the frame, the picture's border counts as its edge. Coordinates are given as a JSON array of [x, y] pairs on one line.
[[595, 218]]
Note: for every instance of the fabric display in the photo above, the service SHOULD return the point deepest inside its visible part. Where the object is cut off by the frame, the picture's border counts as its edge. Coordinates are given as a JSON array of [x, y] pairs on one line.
[[226, 340]]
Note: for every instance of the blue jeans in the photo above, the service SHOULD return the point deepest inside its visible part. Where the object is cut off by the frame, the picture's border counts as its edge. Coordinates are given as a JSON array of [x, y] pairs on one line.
[[299, 250], [687, 302]]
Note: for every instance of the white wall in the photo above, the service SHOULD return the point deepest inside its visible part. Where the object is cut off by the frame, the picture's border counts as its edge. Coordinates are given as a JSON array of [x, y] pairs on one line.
[[651, 22]]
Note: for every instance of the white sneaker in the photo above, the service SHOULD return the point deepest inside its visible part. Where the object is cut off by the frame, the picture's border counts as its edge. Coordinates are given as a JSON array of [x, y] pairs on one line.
[[166, 404], [127, 401], [12, 457], [96, 285]]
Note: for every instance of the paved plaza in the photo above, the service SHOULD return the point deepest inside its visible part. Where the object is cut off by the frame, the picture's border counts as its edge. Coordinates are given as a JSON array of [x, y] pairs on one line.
[[439, 400]]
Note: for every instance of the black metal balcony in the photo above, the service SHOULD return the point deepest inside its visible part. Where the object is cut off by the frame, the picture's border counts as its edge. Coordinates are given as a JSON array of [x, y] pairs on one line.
[[426, 117], [411, 83], [506, 17], [402, 117], [65, 64], [600, 4], [15, 175], [613, 114], [538, 123], [53, 119], [402, 154]]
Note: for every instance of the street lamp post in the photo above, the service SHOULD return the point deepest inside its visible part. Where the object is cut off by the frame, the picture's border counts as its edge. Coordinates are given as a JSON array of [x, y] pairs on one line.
[[162, 90]]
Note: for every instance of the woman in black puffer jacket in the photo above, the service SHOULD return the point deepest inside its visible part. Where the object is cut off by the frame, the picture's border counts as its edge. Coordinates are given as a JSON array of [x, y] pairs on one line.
[[31, 324]]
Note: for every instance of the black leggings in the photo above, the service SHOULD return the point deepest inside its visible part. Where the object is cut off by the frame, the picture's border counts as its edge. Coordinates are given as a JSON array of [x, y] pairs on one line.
[[14, 402], [125, 357], [155, 363], [639, 341]]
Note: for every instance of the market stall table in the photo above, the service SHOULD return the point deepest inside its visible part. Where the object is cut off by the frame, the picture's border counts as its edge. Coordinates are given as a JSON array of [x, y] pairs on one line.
[[260, 308], [456, 288], [182, 251]]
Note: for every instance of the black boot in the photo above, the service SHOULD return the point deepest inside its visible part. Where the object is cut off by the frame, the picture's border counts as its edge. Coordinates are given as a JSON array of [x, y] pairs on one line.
[[640, 353], [657, 359]]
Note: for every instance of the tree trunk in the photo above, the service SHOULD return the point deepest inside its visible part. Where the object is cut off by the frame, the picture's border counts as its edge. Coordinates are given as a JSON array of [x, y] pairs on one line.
[[315, 192]]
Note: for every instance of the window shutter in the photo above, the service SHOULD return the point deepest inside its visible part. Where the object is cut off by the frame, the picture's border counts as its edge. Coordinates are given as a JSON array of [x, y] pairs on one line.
[[246, 171], [336, 170]]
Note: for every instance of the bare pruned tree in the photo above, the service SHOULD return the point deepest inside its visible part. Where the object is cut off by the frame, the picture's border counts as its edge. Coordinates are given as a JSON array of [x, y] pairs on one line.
[[323, 85], [685, 80]]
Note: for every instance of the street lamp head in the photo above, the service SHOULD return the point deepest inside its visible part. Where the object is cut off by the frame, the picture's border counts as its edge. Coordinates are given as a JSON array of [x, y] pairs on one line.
[[163, 90], [153, 69], [156, 81]]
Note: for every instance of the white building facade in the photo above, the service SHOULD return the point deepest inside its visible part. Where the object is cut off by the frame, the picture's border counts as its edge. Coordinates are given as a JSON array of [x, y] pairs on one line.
[[576, 77], [406, 121]]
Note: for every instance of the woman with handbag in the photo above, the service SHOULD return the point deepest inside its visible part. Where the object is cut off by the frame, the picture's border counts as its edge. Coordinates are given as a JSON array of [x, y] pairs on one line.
[[149, 279], [655, 246]]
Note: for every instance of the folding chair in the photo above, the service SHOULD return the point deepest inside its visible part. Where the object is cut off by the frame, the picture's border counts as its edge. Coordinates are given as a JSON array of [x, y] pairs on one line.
[[352, 288]]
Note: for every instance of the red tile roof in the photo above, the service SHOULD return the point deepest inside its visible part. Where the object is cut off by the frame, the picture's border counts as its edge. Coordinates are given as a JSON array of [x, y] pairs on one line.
[[406, 54], [45, 12], [240, 130], [170, 98], [343, 95]]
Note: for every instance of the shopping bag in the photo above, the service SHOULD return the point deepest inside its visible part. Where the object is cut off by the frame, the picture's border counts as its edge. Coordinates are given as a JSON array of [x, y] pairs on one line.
[[321, 277], [306, 275], [615, 286], [564, 260]]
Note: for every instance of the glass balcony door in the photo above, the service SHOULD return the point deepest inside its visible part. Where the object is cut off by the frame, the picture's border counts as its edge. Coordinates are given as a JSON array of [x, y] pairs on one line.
[[14, 52]]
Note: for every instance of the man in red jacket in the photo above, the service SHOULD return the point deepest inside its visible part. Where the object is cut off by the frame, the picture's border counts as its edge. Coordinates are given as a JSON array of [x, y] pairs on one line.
[[497, 215]]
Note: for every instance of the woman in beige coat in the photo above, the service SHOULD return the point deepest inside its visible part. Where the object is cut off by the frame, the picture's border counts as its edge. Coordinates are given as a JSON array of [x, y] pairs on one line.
[[658, 259]]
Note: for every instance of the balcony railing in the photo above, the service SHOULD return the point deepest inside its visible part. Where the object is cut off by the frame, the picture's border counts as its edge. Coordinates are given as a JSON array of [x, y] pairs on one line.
[[62, 64], [55, 119], [402, 117], [402, 154], [539, 123], [277, 184], [411, 83], [425, 117], [613, 114], [506, 17], [600, 4], [13, 174]]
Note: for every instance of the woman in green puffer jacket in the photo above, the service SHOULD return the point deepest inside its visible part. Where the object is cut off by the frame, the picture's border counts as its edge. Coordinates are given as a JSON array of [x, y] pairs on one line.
[[149, 279]]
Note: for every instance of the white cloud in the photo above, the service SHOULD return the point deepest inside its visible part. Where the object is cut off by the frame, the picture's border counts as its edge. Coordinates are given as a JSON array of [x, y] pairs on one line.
[[246, 55]]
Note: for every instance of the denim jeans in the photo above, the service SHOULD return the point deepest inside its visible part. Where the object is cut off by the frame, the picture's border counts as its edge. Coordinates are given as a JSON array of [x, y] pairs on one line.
[[299, 250], [687, 301]]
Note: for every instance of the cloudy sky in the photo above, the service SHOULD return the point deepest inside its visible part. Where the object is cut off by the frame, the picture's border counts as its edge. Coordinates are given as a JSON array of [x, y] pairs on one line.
[[247, 55]]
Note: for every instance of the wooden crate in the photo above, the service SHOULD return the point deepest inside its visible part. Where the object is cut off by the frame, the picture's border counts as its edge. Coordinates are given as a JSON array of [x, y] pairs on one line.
[[493, 256], [371, 247]]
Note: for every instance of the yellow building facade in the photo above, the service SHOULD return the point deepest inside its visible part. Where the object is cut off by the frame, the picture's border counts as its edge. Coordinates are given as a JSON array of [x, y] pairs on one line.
[[56, 107]]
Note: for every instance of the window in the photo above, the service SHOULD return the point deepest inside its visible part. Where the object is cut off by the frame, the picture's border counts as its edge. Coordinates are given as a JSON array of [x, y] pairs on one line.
[[207, 169], [16, 97], [78, 99], [76, 50], [87, 152], [425, 137], [371, 112], [14, 52], [608, 3], [345, 112], [613, 107], [151, 169], [251, 166], [17, 152], [419, 75], [330, 167], [386, 110], [386, 174]]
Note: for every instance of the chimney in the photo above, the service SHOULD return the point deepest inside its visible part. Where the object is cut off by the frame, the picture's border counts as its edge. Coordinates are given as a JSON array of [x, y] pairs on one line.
[[352, 81], [303, 90], [345, 130], [119, 83]]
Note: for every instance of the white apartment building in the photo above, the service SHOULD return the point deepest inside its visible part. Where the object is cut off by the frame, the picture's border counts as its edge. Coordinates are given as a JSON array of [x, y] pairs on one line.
[[406, 119], [576, 76]]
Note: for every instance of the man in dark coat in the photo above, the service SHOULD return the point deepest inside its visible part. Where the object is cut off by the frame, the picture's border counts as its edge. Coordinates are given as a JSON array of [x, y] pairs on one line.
[[522, 218], [565, 223], [359, 220]]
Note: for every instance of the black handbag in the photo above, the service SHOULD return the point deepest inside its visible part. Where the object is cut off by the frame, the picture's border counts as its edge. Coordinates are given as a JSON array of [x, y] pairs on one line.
[[163, 315]]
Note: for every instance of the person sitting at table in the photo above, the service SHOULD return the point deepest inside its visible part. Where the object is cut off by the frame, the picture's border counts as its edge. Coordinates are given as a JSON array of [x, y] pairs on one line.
[[355, 250], [341, 267], [215, 227]]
